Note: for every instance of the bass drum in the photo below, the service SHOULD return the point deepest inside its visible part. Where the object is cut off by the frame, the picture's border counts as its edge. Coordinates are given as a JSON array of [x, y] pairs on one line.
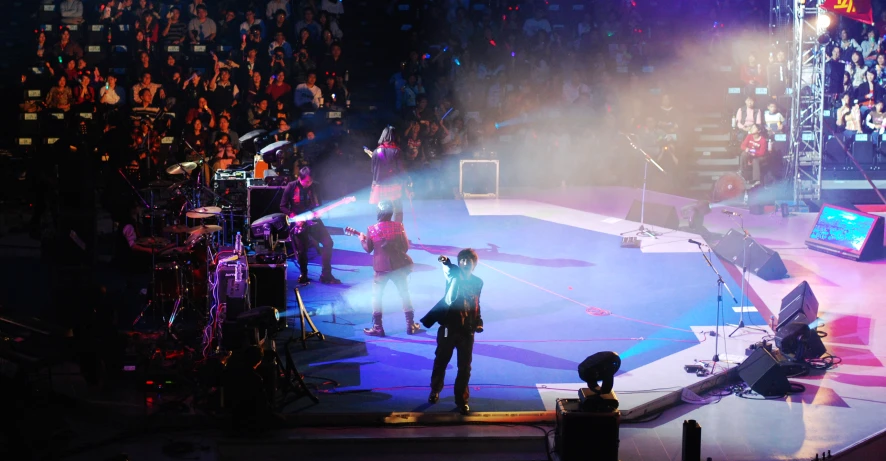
[[730, 186]]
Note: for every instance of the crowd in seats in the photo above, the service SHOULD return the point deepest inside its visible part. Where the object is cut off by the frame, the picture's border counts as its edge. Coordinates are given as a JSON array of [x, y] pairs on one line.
[[161, 82]]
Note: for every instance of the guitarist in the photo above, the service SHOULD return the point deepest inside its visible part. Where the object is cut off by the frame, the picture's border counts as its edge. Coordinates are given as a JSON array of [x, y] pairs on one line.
[[387, 242], [388, 173], [298, 198]]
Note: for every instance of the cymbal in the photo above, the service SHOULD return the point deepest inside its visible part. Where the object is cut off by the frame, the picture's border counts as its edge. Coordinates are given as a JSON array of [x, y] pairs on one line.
[[251, 135], [274, 146], [177, 229], [153, 242], [203, 212], [182, 168], [207, 229]]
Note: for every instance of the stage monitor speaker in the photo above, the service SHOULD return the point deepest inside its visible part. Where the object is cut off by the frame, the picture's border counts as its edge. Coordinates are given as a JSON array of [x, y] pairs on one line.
[[763, 374], [655, 214], [847, 233], [761, 261], [585, 435], [798, 342], [263, 200], [800, 302]]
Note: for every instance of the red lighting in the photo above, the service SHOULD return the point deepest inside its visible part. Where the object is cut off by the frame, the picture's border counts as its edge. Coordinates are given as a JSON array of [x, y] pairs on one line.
[[149, 383], [492, 42]]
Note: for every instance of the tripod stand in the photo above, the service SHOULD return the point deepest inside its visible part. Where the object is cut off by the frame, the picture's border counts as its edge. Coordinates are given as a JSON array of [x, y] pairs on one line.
[[305, 318], [747, 241], [720, 285], [292, 381], [643, 230]]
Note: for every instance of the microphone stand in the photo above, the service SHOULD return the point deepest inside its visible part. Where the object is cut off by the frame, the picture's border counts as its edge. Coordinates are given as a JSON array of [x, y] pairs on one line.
[[747, 240], [720, 285], [642, 230]]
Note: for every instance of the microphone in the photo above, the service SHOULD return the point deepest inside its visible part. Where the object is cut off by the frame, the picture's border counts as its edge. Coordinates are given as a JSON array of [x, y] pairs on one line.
[[696, 242], [731, 213]]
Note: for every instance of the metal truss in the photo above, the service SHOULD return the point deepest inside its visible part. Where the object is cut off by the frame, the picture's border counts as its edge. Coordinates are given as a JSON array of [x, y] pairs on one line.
[[807, 102]]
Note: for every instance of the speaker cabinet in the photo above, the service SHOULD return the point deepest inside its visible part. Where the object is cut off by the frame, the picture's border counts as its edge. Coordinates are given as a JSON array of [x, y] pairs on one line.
[[268, 285], [761, 261], [799, 302], [763, 374], [585, 435], [655, 214], [263, 200]]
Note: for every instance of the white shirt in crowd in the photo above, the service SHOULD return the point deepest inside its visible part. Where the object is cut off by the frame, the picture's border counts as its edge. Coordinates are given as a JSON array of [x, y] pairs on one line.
[[244, 27], [772, 120], [204, 29], [71, 11], [110, 96], [275, 5], [332, 6], [532, 26], [305, 94], [571, 93]]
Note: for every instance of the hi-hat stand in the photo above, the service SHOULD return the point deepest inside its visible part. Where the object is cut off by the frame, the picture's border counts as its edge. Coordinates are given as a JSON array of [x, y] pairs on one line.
[[643, 230], [720, 285]]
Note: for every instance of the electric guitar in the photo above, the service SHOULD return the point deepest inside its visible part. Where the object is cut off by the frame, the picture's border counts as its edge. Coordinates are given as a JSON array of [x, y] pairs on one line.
[[302, 219], [354, 232]]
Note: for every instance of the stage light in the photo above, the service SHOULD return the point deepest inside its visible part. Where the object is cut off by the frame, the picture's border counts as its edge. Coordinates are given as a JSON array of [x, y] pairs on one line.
[[823, 22], [600, 367], [598, 371], [262, 317]]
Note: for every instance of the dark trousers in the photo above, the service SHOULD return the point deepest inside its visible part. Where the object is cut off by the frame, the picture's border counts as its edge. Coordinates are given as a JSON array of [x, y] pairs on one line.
[[447, 341], [400, 279], [302, 241]]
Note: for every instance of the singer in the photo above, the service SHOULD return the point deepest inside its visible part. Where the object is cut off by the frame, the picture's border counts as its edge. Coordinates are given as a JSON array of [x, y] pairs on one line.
[[388, 173], [458, 314]]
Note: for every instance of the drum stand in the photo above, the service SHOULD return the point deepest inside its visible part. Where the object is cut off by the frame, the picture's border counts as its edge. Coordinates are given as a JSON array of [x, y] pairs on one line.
[[304, 319]]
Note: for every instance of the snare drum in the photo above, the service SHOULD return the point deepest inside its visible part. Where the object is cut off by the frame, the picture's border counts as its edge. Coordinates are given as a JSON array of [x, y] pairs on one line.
[[167, 280]]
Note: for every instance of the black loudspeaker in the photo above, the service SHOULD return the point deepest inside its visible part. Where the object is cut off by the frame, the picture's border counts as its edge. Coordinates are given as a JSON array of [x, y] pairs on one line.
[[763, 374], [799, 302], [585, 435], [761, 261], [268, 285], [263, 200], [798, 342], [655, 214]]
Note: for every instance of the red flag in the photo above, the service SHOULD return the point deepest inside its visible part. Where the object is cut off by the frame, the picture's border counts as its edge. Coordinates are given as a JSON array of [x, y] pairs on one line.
[[860, 10]]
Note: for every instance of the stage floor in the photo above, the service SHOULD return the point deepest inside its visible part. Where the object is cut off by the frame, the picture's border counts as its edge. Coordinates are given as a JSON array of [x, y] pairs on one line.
[[558, 287]]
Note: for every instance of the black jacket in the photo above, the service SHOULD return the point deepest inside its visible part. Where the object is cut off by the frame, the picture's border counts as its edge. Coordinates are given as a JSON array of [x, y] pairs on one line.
[[456, 285], [292, 204]]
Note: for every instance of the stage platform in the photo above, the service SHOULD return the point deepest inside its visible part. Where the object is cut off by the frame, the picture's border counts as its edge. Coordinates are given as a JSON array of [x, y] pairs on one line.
[[559, 287]]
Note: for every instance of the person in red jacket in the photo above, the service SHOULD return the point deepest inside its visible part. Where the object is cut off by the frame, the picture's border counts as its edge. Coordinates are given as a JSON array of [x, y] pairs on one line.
[[753, 149], [387, 242]]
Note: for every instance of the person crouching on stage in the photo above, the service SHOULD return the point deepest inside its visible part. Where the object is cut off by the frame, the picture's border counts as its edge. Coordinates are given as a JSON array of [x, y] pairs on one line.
[[388, 244], [298, 198], [458, 314], [388, 173]]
